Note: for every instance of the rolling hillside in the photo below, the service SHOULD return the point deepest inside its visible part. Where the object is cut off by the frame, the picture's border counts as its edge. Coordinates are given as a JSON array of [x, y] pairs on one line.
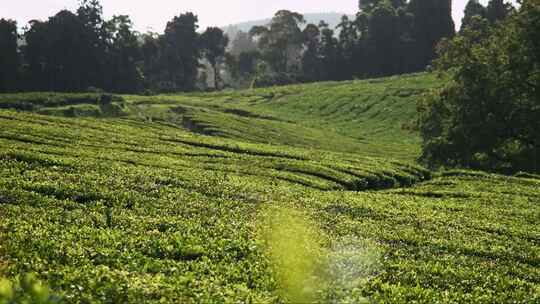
[[305, 193]]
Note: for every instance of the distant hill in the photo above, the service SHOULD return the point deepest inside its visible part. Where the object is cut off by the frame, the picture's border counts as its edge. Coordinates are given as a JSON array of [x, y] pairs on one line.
[[333, 19]]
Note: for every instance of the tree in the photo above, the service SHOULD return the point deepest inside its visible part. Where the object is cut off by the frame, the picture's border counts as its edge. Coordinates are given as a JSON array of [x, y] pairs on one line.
[[311, 58], [329, 53], [68, 52], [487, 116], [34, 52], [473, 8], [243, 42], [242, 68], [367, 6], [281, 42], [124, 57], [152, 52], [498, 10], [57, 52], [432, 22], [94, 34], [384, 39], [181, 53], [214, 42], [9, 57], [349, 36], [405, 56]]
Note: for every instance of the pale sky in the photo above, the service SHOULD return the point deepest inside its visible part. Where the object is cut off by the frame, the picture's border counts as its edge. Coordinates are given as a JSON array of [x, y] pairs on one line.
[[154, 14]]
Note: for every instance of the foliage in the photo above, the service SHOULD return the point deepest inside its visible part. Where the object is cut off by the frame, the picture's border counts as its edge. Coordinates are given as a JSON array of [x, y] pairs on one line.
[[125, 56], [311, 59], [26, 290], [329, 53], [181, 53], [73, 51], [386, 38], [242, 42], [57, 51], [214, 43], [243, 67], [473, 8], [144, 206], [487, 116], [496, 10], [281, 41], [9, 58], [432, 22]]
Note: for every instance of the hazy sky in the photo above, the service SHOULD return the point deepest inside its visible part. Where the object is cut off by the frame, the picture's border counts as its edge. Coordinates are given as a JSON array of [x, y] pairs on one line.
[[154, 14]]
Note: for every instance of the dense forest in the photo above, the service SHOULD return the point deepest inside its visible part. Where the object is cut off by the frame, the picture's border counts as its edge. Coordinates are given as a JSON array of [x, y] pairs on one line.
[[81, 51]]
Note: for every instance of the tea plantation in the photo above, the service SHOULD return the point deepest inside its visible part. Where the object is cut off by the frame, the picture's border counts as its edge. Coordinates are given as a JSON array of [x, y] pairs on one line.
[[296, 194]]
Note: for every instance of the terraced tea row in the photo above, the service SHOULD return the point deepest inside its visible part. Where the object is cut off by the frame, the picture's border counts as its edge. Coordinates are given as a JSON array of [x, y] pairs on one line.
[[302, 193], [368, 118], [66, 141]]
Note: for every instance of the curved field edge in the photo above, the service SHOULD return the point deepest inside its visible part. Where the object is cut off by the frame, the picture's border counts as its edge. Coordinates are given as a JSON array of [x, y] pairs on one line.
[[367, 117]]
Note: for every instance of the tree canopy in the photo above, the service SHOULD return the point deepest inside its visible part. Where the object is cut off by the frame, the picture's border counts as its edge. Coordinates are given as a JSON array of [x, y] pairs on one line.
[[214, 42], [81, 50], [487, 116], [9, 58]]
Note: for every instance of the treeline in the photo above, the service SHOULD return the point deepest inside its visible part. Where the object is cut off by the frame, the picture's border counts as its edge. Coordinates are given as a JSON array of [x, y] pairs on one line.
[[81, 51], [385, 38]]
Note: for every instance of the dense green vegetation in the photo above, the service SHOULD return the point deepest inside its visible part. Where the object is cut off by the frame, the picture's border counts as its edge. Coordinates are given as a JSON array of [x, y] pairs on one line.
[[486, 117], [296, 193]]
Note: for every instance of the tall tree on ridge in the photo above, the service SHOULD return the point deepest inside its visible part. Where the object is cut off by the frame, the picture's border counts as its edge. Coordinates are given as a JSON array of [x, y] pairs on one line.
[[181, 53], [94, 56], [433, 21], [124, 57], [213, 43], [151, 52], [330, 53], [281, 41], [349, 36], [9, 57], [473, 8], [34, 52], [311, 61], [498, 10], [384, 39], [242, 42], [57, 53]]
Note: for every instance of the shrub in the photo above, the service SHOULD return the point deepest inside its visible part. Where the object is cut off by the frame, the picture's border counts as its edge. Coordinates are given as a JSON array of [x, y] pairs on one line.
[[487, 116], [27, 289]]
